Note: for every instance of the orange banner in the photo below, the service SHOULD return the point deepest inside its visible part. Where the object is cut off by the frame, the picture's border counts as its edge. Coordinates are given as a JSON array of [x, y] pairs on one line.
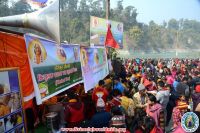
[[13, 54]]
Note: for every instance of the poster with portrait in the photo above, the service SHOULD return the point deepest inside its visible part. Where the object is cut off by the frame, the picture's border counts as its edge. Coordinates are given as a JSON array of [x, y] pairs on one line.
[[98, 31], [55, 68], [11, 111], [94, 66]]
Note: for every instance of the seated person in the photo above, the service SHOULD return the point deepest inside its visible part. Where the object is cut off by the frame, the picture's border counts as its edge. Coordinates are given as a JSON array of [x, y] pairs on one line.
[[101, 118], [100, 92], [74, 111]]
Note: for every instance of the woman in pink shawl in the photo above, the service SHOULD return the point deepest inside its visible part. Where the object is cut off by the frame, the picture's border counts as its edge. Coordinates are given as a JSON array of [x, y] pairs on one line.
[[173, 71], [155, 110], [170, 79], [179, 129]]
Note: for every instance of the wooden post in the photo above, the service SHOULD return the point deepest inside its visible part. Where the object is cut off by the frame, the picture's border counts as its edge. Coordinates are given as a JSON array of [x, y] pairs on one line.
[[107, 9]]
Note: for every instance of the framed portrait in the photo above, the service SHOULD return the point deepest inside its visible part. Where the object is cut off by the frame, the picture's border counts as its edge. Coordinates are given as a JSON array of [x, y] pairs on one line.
[[11, 105]]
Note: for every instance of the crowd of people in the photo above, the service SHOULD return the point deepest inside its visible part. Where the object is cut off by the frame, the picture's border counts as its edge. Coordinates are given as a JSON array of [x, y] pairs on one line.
[[141, 95]]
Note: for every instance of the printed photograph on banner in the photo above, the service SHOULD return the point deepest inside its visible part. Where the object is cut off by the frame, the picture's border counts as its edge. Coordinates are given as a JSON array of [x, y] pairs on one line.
[[59, 67], [9, 103], [2, 127], [4, 83], [76, 54], [84, 57], [61, 54], [11, 114], [37, 52], [12, 121], [5, 105], [15, 101], [96, 57], [94, 64], [14, 81], [43, 87]]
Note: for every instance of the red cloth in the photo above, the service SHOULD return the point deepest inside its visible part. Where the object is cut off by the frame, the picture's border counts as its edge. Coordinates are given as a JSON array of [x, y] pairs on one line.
[[110, 41], [138, 131], [13, 54], [197, 89], [74, 113], [176, 116], [154, 112], [97, 91], [116, 101], [153, 130], [179, 129], [170, 79], [147, 83], [156, 130], [79, 114]]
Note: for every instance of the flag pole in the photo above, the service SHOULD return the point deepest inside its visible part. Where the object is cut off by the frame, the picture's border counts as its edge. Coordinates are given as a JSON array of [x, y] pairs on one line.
[[107, 18], [107, 9], [109, 55]]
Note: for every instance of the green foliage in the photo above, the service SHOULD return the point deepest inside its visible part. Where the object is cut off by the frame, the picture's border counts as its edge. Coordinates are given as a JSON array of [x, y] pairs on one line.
[[175, 34], [135, 33], [173, 24], [4, 9], [75, 25]]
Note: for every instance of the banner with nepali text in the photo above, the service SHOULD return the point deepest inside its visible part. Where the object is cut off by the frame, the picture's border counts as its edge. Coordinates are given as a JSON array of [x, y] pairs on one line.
[[55, 68]]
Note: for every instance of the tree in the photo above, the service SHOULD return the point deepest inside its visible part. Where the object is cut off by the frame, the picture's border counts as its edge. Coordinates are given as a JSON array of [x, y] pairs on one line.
[[20, 7], [164, 24], [4, 8], [129, 17], [63, 4], [135, 34], [173, 24], [119, 6], [97, 9], [154, 35], [75, 25]]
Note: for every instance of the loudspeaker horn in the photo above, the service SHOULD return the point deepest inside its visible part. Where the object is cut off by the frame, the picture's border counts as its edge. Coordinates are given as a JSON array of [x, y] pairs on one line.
[[45, 20]]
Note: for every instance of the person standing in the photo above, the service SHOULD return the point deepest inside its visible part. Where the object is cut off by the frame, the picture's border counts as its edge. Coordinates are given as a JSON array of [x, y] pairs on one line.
[[179, 110], [155, 110], [196, 98], [163, 94], [141, 97]]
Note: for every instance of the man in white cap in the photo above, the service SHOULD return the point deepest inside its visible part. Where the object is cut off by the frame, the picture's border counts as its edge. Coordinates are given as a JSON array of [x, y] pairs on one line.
[[141, 97]]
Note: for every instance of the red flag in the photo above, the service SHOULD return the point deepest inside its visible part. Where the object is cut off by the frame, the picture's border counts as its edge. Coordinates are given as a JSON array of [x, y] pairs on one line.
[[110, 41]]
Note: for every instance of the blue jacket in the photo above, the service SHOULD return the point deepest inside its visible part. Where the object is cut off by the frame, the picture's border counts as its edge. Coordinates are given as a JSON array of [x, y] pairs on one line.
[[100, 120], [119, 86]]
